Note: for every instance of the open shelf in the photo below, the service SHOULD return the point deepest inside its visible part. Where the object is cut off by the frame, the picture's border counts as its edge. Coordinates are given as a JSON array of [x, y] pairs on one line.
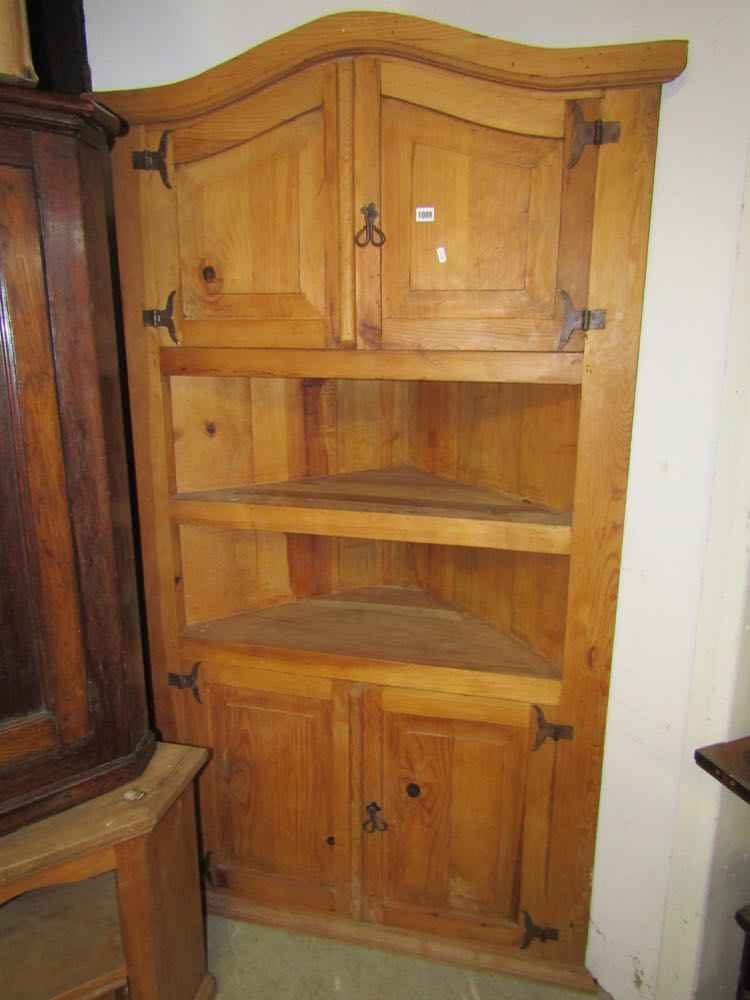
[[382, 634], [63, 941], [401, 503]]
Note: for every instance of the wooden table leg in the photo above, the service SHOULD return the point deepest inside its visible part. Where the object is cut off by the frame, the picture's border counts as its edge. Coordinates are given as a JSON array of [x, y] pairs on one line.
[[160, 909]]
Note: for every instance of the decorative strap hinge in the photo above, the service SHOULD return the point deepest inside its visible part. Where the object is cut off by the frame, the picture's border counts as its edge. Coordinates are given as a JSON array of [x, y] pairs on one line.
[[190, 681], [153, 159], [163, 317], [535, 932], [550, 730], [579, 319], [594, 133]]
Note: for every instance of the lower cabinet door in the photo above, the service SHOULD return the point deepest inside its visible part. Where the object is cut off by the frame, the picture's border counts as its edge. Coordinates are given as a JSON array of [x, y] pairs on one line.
[[443, 850], [275, 799]]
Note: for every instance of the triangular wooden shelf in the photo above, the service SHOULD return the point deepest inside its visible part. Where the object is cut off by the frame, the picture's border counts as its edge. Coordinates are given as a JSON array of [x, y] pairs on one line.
[[399, 504]]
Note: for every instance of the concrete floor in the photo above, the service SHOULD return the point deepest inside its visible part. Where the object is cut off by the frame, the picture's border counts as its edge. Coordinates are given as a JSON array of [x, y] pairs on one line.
[[261, 963]]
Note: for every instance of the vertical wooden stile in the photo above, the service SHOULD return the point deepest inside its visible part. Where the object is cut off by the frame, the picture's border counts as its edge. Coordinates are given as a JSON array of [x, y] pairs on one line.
[[372, 789], [623, 184], [344, 158], [143, 211], [367, 157]]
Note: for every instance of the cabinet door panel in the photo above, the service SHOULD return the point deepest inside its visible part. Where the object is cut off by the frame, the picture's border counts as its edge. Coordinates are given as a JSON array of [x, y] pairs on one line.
[[276, 818], [255, 203], [452, 784], [43, 700], [240, 215], [486, 259]]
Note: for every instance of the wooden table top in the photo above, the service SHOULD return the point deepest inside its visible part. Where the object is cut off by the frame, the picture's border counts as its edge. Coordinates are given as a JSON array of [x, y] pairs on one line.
[[729, 763]]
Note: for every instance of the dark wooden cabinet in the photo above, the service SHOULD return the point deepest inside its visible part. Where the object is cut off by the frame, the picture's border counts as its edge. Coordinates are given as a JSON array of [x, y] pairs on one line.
[[72, 705]]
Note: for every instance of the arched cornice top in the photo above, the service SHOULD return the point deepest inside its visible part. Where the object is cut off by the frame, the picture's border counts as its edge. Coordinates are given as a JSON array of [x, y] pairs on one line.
[[390, 34]]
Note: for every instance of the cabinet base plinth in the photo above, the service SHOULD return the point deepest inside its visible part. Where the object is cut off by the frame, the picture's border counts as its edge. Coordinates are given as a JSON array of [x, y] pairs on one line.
[[500, 960]]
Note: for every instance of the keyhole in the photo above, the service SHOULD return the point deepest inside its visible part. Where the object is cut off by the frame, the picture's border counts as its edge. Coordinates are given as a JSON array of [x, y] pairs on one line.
[[413, 790]]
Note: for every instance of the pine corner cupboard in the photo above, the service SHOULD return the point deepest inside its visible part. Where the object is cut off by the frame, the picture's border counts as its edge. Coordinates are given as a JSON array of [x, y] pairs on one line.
[[382, 285]]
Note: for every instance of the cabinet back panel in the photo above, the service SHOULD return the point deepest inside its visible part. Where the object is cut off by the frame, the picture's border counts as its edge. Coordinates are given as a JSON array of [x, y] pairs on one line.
[[211, 430], [229, 572], [501, 588], [373, 424], [220, 572], [515, 438], [519, 439]]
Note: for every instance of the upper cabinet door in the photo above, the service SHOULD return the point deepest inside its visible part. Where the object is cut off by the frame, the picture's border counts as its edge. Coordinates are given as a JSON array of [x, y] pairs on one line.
[[472, 188], [375, 180], [253, 204]]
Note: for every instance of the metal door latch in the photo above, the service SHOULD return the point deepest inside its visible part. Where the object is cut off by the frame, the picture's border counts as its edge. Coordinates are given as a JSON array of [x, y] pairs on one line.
[[369, 233], [374, 822]]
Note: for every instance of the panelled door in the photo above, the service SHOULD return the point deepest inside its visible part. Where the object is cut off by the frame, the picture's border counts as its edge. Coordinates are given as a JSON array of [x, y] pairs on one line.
[[43, 694], [275, 798], [486, 217], [444, 849], [246, 218], [376, 200]]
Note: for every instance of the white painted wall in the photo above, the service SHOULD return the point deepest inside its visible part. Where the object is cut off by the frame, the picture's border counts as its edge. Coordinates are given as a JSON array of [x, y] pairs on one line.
[[670, 867]]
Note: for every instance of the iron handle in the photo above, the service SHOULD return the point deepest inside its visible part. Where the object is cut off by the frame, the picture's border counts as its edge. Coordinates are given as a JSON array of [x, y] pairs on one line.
[[369, 233], [374, 822]]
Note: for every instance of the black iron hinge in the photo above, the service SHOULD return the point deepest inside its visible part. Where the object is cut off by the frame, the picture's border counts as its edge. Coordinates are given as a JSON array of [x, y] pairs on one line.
[[153, 159], [585, 133], [212, 874], [204, 865], [190, 681], [162, 317], [550, 730], [579, 319], [535, 932]]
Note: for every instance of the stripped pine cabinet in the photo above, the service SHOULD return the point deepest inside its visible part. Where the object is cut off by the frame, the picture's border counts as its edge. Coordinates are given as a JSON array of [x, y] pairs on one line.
[[382, 284]]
